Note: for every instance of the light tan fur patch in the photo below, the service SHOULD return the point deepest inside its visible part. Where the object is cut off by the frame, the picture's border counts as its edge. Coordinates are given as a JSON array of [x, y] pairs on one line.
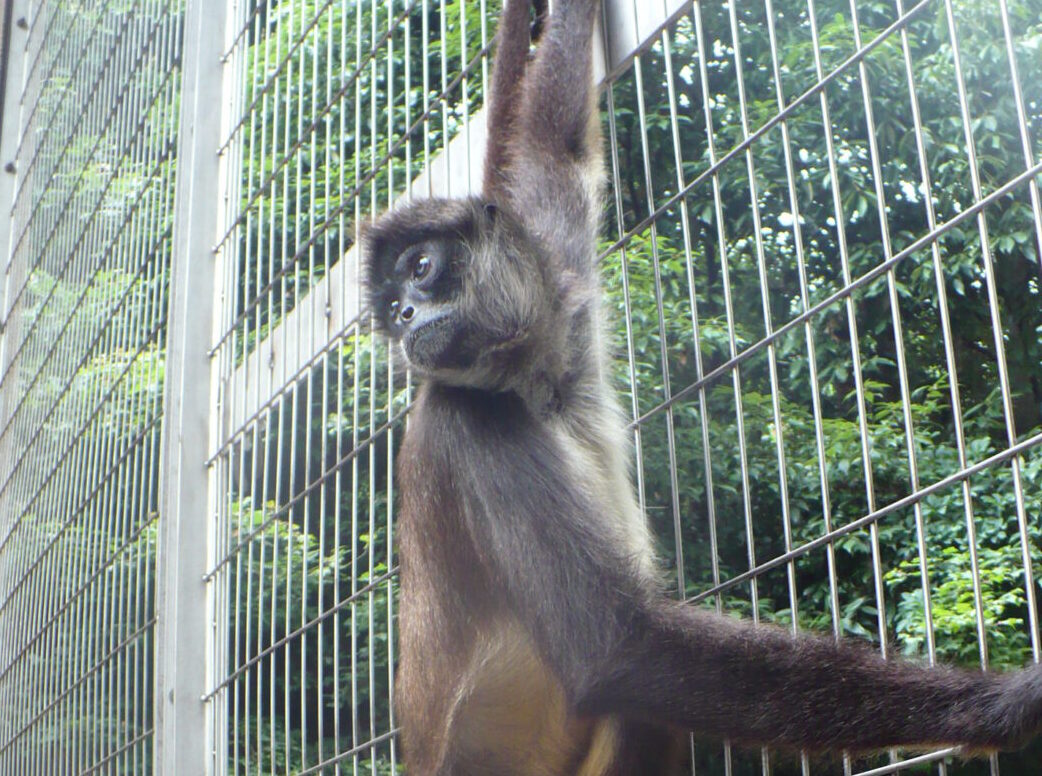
[[512, 716]]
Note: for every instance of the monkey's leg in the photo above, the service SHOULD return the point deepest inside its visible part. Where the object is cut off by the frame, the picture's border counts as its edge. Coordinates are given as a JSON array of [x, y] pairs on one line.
[[649, 749]]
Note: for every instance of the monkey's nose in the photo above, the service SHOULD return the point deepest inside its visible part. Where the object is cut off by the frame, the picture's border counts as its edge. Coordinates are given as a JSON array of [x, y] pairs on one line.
[[407, 313]]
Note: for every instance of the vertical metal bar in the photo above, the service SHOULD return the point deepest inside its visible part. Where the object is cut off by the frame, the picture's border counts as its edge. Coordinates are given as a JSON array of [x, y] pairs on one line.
[[667, 394], [356, 415], [13, 271], [324, 500], [235, 518], [391, 486], [997, 334], [627, 304], [902, 367], [443, 18], [14, 88], [819, 436], [342, 367], [949, 346], [183, 737], [721, 240], [375, 161], [855, 348], [772, 359], [1023, 128]]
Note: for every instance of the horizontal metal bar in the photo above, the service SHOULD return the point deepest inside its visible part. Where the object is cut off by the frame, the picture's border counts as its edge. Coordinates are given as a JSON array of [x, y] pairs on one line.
[[372, 743], [932, 757], [137, 740], [911, 499]]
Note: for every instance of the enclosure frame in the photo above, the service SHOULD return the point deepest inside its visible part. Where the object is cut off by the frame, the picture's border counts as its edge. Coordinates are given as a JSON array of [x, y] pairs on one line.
[[215, 397]]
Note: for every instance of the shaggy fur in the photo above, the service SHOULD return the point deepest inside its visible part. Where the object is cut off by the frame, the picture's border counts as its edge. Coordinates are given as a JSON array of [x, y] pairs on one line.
[[535, 640]]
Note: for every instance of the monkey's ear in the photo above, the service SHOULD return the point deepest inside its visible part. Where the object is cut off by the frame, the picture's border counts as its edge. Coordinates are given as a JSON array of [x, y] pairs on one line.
[[370, 244], [376, 241], [365, 251]]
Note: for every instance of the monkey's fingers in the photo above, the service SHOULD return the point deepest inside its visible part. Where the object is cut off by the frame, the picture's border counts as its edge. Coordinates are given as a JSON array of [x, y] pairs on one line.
[[542, 13]]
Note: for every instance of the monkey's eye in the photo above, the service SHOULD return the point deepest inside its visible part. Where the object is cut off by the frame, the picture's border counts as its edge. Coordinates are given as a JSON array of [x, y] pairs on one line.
[[422, 267], [392, 310]]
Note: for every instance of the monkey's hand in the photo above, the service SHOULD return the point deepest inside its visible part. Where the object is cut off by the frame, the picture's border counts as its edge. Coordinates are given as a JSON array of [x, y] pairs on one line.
[[542, 12]]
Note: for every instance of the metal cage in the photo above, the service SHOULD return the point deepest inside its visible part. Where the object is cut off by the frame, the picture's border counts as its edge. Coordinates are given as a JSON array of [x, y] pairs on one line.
[[823, 258]]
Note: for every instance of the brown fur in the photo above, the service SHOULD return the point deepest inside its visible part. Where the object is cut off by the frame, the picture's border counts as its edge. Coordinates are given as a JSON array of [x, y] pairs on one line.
[[535, 640]]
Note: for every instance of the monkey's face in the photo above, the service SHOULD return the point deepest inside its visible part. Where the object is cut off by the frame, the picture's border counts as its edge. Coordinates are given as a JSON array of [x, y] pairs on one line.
[[418, 304], [456, 285]]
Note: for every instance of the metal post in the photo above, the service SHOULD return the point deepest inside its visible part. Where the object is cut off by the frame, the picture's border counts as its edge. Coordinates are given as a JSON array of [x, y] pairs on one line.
[[10, 130], [183, 737], [10, 124]]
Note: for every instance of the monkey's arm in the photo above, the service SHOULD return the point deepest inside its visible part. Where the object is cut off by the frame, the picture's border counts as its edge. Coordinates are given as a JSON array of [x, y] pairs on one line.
[[539, 112], [559, 99], [620, 647], [513, 38], [552, 176]]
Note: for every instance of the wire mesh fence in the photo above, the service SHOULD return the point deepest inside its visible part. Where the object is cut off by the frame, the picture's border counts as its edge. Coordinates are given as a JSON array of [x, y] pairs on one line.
[[90, 131], [823, 255]]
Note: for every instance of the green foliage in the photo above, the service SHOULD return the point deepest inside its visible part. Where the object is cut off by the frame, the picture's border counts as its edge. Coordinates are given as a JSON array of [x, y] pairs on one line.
[[953, 609]]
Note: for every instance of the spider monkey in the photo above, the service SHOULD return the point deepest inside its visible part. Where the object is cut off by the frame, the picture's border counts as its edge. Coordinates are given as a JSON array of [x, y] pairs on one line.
[[536, 639]]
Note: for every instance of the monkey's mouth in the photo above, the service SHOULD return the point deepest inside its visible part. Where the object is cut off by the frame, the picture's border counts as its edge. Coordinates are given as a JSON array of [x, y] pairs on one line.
[[438, 344]]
